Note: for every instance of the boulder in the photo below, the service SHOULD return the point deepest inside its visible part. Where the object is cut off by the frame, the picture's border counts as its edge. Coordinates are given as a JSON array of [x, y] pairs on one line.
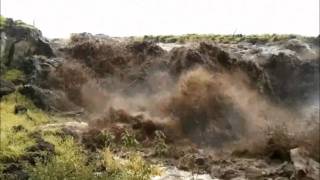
[[40, 151], [20, 40], [18, 128], [49, 100], [14, 171], [305, 167], [20, 109], [6, 87], [37, 68]]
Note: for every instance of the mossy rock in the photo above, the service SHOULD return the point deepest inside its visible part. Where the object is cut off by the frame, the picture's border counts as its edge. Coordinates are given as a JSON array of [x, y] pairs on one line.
[[14, 75]]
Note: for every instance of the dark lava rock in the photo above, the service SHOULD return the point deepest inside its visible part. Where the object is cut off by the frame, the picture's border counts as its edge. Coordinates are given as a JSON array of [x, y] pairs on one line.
[[20, 109], [94, 139], [37, 68], [40, 97], [148, 127], [6, 87], [41, 145], [15, 171], [18, 128], [69, 132], [194, 161], [200, 161], [47, 99], [41, 151], [17, 31]]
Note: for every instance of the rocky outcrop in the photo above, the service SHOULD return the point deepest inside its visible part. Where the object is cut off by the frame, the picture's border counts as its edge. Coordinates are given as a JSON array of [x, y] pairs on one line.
[[49, 100], [37, 69], [19, 41], [292, 80]]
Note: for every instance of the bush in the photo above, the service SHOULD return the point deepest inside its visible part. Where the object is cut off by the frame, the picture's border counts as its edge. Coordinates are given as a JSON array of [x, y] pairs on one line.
[[129, 140], [161, 148]]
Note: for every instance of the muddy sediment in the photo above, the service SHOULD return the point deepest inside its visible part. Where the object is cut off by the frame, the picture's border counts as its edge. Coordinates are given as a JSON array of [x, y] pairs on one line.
[[201, 85]]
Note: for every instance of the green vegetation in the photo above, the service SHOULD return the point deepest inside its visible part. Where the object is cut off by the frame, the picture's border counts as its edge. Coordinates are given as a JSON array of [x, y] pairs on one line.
[[13, 144], [218, 38], [14, 75], [70, 160], [2, 21], [108, 138], [161, 148], [69, 163], [129, 140]]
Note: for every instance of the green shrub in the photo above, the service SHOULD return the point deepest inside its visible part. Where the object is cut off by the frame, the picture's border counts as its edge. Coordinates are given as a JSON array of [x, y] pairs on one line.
[[161, 148], [106, 138], [129, 140]]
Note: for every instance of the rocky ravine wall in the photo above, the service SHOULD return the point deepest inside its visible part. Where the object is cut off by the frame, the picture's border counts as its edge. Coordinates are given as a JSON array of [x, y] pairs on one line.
[[207, 87]]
